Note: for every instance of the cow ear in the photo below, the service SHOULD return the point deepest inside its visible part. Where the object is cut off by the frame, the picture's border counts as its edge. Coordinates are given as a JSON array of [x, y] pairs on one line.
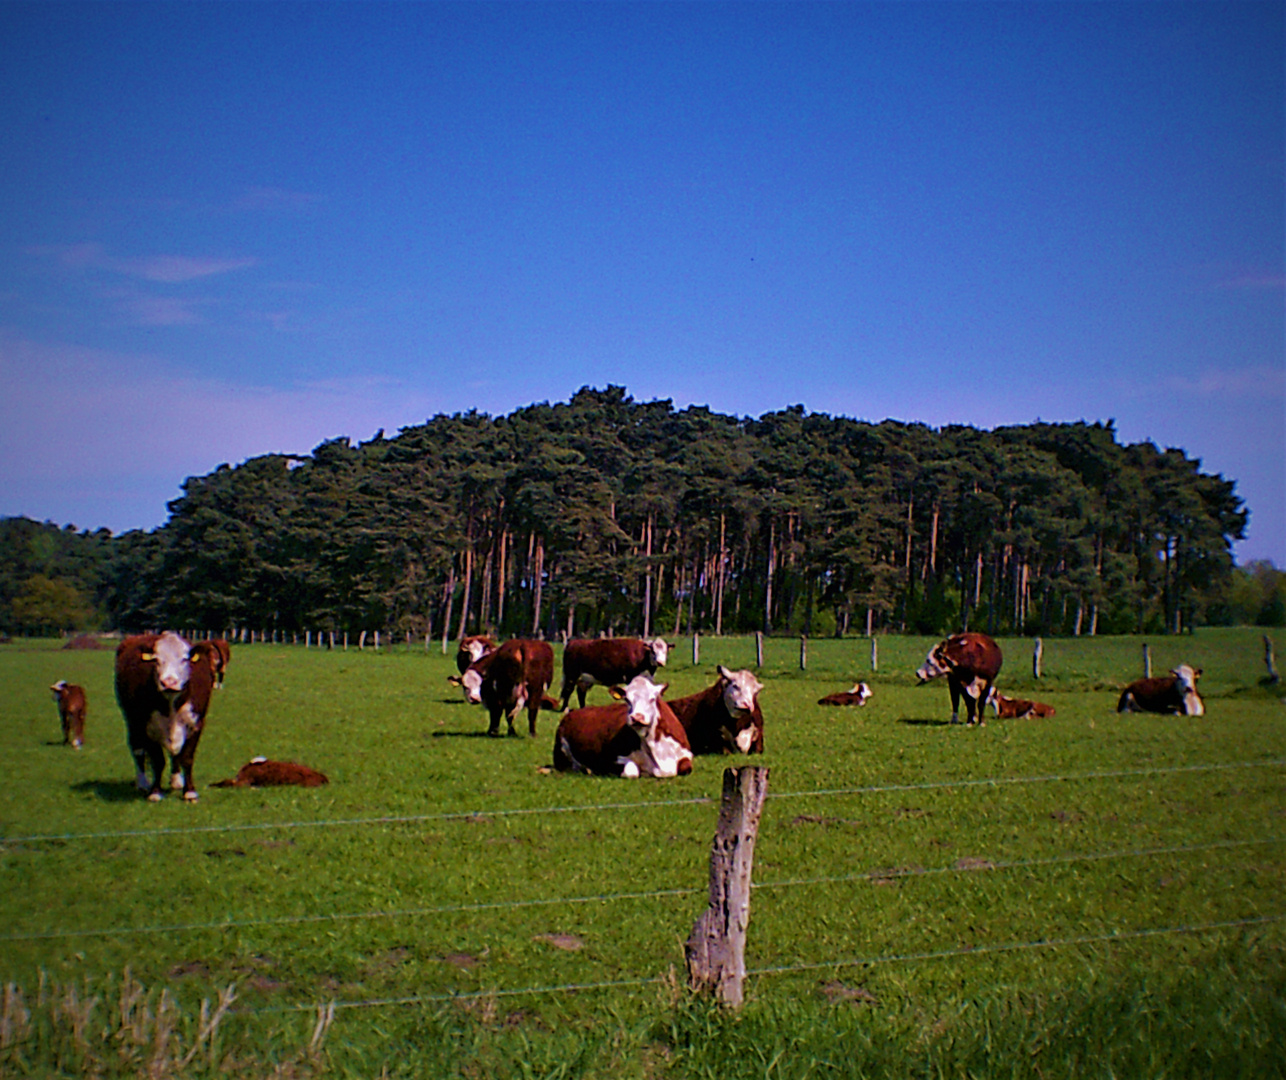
[[1196, 673], [455, 680], [724, 672], [617, 693]]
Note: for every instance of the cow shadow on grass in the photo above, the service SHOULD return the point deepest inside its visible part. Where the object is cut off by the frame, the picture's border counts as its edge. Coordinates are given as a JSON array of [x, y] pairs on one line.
[[109, 790], [465, 735], [915, 721]]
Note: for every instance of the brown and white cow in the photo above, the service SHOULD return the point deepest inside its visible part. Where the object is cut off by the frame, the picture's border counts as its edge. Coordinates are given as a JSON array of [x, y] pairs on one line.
[[859, 695], [641, 736], [471, 650], [724, 718], [261, 772], [608, 662], [470, 679], [1173, 693], [220, 657], [971, 663], [1008, 708], [516, 676], [164, 687], [71, 711]]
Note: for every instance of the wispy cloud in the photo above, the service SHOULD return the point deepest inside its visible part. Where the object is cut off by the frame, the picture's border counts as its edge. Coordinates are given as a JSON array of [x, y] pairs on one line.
[[161, 269]]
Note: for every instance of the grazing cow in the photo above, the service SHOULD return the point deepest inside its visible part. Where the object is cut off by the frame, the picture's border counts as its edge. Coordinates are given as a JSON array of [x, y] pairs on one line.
[[517, 675], [724, 718], [260, 772], [471, 650], [220, 657], [857, 696], [71, 711], [608, 662], [641, 736], [164, 686], [1008, 708], [470, 679], [971, 663], [1173, 693]]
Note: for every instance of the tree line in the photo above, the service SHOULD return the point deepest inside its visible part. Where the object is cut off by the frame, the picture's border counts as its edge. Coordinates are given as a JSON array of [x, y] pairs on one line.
[[604, 514]]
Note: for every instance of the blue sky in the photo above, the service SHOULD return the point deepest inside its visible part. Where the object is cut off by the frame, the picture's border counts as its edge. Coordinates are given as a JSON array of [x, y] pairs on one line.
[[232, 229]]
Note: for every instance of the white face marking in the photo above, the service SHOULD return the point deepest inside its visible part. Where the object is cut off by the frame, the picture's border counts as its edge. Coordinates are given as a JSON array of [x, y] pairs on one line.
[[471, 683], [660, 650], [739, 694], [933, 666], [641, 697], [1187, 682], [172, 665], [476, 651], [862, 691]]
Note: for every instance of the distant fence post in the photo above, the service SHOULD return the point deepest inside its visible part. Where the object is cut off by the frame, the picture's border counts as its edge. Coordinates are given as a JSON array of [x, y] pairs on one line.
[[875, 655], [1147, 661], [696, 648], [1037, 653], [361, 641], [1269, 658], [377, 641], [803, 652], [716, 949], [759, 648]]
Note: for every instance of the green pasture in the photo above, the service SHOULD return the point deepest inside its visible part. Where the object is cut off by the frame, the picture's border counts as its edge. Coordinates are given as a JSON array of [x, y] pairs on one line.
[[1091, 894]]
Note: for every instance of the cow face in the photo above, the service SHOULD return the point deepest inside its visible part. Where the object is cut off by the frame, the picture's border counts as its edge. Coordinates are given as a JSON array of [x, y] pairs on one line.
[[660, 650], [1186, 678], [935, 665], [641, 699], [475, 648], [172, 668]]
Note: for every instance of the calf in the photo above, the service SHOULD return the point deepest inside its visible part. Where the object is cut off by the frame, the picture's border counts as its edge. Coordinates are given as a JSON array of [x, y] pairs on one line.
[[724, 718], [639, 737], [516, 677], [260, 772], [857, 696], [1008, 708], [608, 662], [71, 711], [1173, 693], [971, 663]]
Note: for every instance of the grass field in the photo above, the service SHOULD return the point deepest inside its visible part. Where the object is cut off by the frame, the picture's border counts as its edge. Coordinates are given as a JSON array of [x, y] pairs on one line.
[[1089, 895]]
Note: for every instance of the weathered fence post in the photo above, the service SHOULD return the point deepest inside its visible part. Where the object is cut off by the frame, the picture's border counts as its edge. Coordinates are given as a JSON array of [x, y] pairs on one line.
[[716, 948], [377, 641], [361, 641], [803, 652], [696, 648], [1037, 653], [875, 655], [1273, 677], [759, 648], [1147, 661]]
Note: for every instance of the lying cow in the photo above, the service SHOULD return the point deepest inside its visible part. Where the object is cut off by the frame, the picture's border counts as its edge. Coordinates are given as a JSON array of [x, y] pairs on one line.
[[164, 687], [608, 662], [1008, 708], [641, 736], [857, 696], [971, 663], [516, 677], [71, 712], [724, 718], [261, 772], [1173, 693]]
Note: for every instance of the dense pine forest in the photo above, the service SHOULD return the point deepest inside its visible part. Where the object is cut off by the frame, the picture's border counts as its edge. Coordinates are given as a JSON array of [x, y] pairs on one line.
[[608, 515]]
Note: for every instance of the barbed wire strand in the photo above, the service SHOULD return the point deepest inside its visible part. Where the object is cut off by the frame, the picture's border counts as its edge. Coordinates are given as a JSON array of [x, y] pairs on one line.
[[409, 819], [605, 898], [898, 958]]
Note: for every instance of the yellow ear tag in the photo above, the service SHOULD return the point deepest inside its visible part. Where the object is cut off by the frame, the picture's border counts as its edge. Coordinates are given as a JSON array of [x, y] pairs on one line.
[[617, 693], [147, 656]]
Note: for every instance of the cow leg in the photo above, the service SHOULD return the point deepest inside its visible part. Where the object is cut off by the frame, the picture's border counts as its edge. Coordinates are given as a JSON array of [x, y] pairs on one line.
[[156, 758], [566, 694], [954, 687], [181, 768], [494, 729]]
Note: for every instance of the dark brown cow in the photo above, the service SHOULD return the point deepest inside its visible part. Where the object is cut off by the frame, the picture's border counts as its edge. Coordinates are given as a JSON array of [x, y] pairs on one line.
[[71, 711], [641, 736], [971, 663], [261, 772], [857, 696], [608, 662], [1008, 708], [471, 650], [164, 687], [516, 677], [1173, 693], [724, 718], [220, 657]]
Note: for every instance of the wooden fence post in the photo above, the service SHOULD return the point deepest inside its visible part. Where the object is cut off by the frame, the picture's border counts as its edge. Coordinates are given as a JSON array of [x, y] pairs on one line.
[[875, 655], [1147, 661], [803, 652], [716, 948], [759, 648], [696, 649], [361, 641], [1273, 677], [1036, 655]]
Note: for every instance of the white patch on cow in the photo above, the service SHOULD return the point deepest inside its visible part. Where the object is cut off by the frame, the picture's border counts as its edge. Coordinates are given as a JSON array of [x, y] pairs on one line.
[[667, 753], [258, 760], [974, 689], [176, 779], [476, 650], [1187, 682], [630, 770], [520, 702], [75, 743], [154, 796], [935, 665], [745, 739], [471, 683], [172, 664], [862, 691], [191, 796], [660, 650]]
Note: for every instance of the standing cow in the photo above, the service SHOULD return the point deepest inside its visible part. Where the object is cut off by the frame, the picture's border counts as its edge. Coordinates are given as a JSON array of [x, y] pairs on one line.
[[164, 687], [971, 663], [471, 650], [71, 712], [1173, 693], [516, 677], [724, 718], [608, 662], [641, 736]]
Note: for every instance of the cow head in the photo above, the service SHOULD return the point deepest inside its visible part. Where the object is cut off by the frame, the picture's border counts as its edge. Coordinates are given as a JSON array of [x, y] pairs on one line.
[[1186, 678], [58, 688], [471, 683], [659, 649], [740, 690], [936, 664], [171, 661], [863, 692], [475, 647], [641, 697]]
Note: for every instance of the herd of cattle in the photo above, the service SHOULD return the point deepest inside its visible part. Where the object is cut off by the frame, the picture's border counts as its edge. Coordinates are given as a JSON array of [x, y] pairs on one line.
[[164, 686]]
